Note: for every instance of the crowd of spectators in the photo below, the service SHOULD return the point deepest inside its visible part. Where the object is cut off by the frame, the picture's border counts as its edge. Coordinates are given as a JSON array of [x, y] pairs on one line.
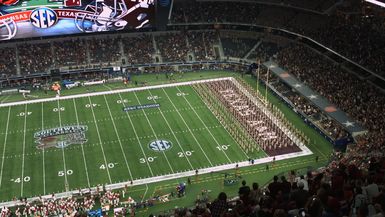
[[234, 46], [139, 49], [8, 62], [34, 58], [70, 52], [76, 52], [344, 190], [339, 190], [315, 5], [111, 198], [201, 43], [360, 39], [173, 47], [313, 113], [70, 206], [359, 99], [105, 50], [357, 36], [185, 12], [264, 51]]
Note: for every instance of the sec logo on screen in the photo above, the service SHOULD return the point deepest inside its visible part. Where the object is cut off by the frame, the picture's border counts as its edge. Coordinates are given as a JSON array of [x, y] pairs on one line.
[[160, 145], [43, 18]]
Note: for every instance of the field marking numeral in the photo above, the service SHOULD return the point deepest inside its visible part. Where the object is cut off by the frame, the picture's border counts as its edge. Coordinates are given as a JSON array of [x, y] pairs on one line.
[[22, 114], [69, 172], [153, 97], [18, 180], [223, 147], [91, 105], [149, 159], [109, 165], [182, 94], [121, 101], [186, 153], [58, 109]]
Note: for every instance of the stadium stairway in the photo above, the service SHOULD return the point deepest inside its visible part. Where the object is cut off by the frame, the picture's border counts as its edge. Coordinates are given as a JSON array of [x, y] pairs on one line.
[[252, 49]]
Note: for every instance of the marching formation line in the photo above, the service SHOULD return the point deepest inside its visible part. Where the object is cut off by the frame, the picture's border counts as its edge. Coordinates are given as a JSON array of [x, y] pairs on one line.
[[177, 140], [100, 140], [184, 121], [5, 144], [81, 145], [204, 124], [153, 132], [137, 137], [207, 106], [117, 135], [66, 184]]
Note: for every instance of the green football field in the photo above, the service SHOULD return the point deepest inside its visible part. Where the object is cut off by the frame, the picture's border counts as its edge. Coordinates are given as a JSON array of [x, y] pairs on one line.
[[43, 172], [120, 145]]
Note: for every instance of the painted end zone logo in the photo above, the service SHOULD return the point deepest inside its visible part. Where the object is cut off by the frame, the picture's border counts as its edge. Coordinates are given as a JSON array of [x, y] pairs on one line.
[[160, 145], [61, 137]]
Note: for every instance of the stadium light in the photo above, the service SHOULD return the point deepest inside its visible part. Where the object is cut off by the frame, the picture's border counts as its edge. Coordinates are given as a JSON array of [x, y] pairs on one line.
[[377, 2]]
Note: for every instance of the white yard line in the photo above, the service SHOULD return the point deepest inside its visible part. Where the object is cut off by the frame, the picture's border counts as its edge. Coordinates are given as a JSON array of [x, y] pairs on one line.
[[5, 144], [22, 164], [196, 140], [5, 98], [117, 136], [66, 184], [145, 192], [137, 137], [81, 145], [176, 138], [113, 92], [107, 86], [153, 132], [204, 124], [100, 140], [42, 128]]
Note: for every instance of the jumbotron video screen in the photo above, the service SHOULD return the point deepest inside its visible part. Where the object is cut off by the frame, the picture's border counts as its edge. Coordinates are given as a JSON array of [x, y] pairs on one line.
[[40, 18]]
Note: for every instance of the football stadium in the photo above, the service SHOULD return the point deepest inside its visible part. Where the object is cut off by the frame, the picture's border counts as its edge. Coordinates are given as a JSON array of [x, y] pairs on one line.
[[192, 108]]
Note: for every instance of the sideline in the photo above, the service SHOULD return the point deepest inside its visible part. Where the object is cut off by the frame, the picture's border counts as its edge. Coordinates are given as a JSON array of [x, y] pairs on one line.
[[167, 177], [112, 92]]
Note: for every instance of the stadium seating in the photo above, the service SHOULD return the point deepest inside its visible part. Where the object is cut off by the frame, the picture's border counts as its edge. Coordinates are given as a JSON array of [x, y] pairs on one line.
[[138, 50], [70, 52], [29, 64], [8, 65], [333, 190], [173, 47]]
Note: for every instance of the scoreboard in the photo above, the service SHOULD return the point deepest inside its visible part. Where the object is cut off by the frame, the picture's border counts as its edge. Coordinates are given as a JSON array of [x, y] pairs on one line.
[[40, 18]]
